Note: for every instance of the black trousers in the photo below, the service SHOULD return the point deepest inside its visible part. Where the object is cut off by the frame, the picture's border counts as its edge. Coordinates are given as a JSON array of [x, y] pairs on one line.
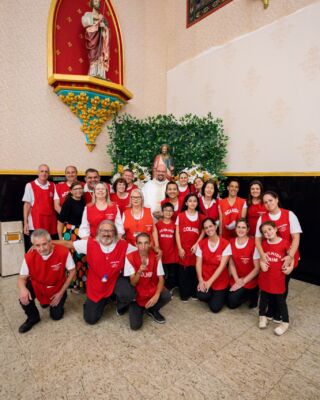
[[136, 311], [216, 299], [32, 311], [124, 293], [187, 282], [278, 299], [171, 275], [240, 296], [273, 308]]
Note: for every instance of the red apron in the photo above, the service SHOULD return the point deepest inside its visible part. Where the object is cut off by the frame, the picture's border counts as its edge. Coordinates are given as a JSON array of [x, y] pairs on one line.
[[148, 282], [104, 269], [211, 261], [243, 261], [42, 212], [96, 216], [47, 276], [283, 225]]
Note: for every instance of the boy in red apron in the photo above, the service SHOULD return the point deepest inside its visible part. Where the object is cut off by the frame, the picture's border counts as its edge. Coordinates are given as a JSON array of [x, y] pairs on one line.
[[147, 276]]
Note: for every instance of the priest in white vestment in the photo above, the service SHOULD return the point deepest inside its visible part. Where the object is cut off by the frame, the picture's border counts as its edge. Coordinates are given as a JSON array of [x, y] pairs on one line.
[[154, 191]]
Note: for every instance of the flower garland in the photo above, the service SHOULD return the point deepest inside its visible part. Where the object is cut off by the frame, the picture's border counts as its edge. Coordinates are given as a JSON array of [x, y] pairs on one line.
[[197, 171], [141, 174]]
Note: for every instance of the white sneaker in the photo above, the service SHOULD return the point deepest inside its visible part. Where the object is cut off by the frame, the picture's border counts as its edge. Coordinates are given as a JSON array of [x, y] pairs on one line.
[[263, 322], [282, 328]]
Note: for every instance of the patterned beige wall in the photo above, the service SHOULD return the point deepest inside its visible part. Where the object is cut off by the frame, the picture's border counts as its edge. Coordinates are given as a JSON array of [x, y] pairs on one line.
[[36, 127], [233, 20], [265, 85]]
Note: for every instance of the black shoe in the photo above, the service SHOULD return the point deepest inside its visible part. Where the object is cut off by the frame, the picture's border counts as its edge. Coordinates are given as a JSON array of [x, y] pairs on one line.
[[156, 316], [121, 311], [28, 324], [253, 304]]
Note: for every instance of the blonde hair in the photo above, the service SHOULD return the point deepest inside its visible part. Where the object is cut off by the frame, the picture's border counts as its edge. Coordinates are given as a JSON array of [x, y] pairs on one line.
[[140, 193], [107, 197]]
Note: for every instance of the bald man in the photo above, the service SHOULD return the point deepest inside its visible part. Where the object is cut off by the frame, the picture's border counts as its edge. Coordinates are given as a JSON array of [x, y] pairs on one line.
[[63, 188], [154, 191], [40, 201]]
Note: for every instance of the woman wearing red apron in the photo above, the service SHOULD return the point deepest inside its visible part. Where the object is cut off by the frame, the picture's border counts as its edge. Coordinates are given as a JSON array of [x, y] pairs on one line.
[[120, 196], [209, 200], [101, 209], [198, 183], [255, 205], [172, 196], [183, 185], [188, 235], [288, 228], [213, 254], [230, 210], [244, 268], [138, 219]]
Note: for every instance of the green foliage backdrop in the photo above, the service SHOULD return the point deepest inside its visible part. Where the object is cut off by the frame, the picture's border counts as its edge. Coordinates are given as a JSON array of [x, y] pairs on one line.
[[191, 139]]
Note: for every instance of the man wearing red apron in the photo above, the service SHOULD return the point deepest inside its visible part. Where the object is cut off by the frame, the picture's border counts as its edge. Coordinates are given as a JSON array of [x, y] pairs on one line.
[[147, 276], [63, 188], [40, 201], [92, 178], [105, 255], [43, 277]]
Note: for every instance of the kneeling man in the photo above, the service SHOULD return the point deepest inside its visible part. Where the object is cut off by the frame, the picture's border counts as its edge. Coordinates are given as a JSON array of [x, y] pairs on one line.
[[105, 255], [43, 277], [147, 276]]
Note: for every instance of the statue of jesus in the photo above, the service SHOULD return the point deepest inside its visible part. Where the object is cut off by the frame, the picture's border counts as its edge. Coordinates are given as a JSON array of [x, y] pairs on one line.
[[97, 41], [164, 158]]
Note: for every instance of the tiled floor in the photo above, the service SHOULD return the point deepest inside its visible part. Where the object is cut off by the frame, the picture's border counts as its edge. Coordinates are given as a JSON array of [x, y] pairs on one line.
[[195, 355]]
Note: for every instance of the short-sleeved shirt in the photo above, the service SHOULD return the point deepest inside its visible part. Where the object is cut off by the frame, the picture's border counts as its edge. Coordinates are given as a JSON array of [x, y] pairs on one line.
[[24, 270]]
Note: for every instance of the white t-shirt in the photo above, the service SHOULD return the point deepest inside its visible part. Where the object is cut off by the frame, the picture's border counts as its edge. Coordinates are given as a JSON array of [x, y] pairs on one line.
[[84, 229], [183, 189], [209, 205], [28, 197], [82, 245], [239, 246], [191, 217], [294, 223], [24, 270], [129, 269], [226, 252]]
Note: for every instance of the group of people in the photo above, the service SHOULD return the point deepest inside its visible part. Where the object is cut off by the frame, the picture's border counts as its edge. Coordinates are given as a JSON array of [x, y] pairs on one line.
[[135, 247]]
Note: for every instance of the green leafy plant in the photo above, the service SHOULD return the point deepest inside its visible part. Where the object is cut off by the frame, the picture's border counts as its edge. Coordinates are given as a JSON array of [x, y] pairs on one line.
[[192, 139]]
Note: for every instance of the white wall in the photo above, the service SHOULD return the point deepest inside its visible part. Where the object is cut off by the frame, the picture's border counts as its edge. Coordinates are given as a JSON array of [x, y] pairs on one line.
[[265, 86]]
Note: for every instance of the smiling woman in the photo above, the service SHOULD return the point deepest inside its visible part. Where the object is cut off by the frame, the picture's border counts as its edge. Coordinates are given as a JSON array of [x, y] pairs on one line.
[[101, 209]]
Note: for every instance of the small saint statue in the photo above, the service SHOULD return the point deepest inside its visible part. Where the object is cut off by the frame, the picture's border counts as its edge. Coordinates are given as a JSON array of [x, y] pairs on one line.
[[164, 158], [97, 40]]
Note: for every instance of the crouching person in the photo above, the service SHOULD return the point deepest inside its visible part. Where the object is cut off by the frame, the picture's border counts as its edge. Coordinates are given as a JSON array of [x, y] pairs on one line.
[[105, 255], [43, 277], [147, 276]]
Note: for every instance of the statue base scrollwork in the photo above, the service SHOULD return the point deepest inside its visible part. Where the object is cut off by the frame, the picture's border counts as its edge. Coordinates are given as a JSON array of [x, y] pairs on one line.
[[92, 108]]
